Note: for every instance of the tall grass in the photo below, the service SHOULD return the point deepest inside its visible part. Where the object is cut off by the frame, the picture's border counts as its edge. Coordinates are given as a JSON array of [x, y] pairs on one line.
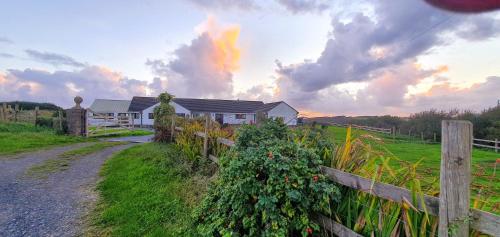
[[368, 214]]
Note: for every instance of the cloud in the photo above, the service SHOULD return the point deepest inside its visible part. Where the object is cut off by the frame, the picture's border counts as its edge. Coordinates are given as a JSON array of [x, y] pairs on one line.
[[61, 87], [304, 6], [205, 66], [6, 40], [480, 28], [6, 55], [258, 92], [445, 96], [225, 4], [53, 58], [378, 50]]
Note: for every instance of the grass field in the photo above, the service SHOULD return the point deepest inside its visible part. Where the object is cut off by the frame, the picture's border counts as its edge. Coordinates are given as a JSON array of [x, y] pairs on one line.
[[22, 137], [146, 191], [429, 155]]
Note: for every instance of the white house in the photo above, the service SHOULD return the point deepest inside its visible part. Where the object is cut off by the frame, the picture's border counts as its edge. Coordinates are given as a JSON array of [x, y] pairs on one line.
[[222, 111], [108, 112]]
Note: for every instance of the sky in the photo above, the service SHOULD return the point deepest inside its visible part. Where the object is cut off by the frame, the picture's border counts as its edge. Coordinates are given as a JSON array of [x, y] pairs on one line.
[[321, 57]]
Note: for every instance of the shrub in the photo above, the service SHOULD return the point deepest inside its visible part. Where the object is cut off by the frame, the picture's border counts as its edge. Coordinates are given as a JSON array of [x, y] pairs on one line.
[[163, 116], [267, 186], [44, 122]]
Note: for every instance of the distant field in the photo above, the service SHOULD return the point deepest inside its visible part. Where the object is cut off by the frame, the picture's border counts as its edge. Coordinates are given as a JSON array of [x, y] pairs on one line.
[[483, 161]]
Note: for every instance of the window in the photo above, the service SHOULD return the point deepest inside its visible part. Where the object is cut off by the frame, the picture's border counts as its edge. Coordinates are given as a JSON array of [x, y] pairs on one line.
[[122, 114], [135, 115], [151, 116], [182, 115], [241, 116], [111, 114]]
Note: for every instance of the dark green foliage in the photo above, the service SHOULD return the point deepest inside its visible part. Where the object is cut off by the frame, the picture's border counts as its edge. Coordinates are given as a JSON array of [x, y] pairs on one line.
[[26, 105], [44, 122], [267, 186]]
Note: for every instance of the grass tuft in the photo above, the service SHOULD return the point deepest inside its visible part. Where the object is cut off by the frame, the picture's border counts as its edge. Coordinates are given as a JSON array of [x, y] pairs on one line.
[[64, 160]]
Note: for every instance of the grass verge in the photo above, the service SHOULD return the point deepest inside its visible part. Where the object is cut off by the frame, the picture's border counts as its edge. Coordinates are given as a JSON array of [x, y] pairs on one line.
[[63, 161], [21, 137], [120, 132], [147, 190]]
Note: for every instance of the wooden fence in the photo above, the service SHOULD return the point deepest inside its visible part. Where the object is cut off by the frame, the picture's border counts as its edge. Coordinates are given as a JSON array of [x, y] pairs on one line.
[[483, 143], [452, 206], [366, 128], [14, 114], [493, 144]]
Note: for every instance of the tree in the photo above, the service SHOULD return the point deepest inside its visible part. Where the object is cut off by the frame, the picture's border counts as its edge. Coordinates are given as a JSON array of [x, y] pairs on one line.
[[163, 116]]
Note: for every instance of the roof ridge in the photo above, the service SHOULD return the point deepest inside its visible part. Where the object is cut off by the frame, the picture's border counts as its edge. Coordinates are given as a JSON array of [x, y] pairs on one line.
[[219, 99]]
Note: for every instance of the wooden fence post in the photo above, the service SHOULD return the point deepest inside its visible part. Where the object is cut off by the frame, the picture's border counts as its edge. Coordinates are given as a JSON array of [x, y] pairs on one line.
[[36, 113], [496, 145], [59, 114], [2, 114], [422, 135], [16, 109], [435, 140], [5, 114], [172, 128], [205, 139], [455, 173], [393, 134]]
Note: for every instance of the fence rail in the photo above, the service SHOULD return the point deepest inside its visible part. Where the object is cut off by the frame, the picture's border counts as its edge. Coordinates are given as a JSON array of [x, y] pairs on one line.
[[366, 128], [493, 144], [496, 143], [443, 207]]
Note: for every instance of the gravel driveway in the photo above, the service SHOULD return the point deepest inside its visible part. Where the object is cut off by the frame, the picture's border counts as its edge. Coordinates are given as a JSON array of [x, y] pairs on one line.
[[48, 207]]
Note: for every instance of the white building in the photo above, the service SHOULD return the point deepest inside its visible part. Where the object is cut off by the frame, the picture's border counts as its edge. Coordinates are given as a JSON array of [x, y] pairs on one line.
[[223, 111], [108, 112]]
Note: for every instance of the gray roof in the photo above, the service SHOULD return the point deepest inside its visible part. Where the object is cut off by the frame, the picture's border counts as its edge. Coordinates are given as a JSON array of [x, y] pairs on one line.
[[223, 106], [268, 106], [207, 105], [110, 106], [140, 103]]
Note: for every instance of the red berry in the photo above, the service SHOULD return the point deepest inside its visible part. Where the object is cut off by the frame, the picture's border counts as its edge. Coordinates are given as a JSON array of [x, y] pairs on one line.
[[286, 179], [270, 155], [315, 178], [309, 230]]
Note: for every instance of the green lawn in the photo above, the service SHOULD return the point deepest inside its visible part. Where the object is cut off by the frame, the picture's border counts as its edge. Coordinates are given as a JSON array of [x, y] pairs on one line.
[[483, 161], [21, 137], [146, 191]]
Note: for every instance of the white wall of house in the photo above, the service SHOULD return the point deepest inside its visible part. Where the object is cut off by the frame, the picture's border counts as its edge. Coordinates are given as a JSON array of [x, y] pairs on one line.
[[150, 122], [179, 109], [230, 118], [284, 111]]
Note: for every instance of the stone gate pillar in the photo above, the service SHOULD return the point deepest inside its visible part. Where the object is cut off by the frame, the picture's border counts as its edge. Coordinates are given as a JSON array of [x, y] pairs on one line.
[[77, 119]]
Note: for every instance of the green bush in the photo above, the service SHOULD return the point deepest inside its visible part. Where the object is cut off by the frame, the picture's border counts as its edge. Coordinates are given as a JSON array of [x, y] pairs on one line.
[[44, 122], [267, 186]]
